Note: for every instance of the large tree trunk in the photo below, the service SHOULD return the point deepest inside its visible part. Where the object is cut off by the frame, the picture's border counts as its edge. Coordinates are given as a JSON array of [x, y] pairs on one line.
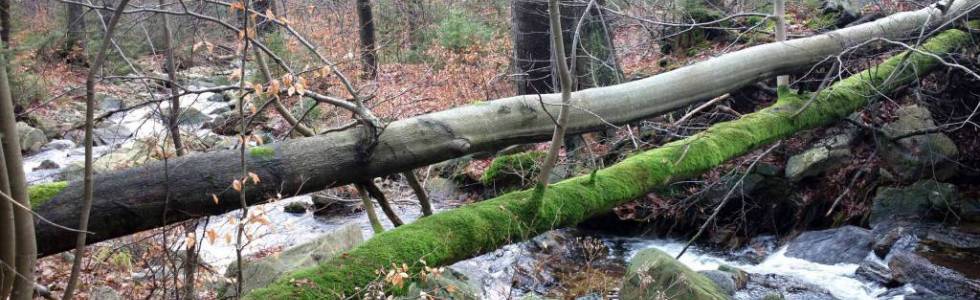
[[369, 52], [25, 246], [596, 63], [76, 27], [470, 230], [133, 200]]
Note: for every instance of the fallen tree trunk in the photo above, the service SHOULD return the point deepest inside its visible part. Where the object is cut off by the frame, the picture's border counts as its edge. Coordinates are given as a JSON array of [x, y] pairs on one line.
[[467, 231], [134, 200]]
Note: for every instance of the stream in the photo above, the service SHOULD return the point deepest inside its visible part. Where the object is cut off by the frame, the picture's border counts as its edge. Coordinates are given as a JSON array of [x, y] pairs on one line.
[[493, 272]]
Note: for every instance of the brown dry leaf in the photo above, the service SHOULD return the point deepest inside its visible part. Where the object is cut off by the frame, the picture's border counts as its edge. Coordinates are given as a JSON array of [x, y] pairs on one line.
[[215, 199], [254, 177], [237, 185], [211, 235], [236, 6], [274, 86]]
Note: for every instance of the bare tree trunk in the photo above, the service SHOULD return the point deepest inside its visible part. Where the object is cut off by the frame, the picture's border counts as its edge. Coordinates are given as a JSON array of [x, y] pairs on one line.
[[369, 208], [377, 194], [416, 22], [89, 185], [419, 192], [5, 22], [190, 258], [558, 44], [76, 28], [8, 237], [26, 247], [779, 7], [369, 52], [597, 64]]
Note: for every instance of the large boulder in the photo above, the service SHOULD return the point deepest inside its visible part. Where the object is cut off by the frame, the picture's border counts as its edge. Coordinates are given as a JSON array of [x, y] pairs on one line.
[[31, 139], [653, 274], [261, 272], [848, 244], [970, 209], [911, 268], [919, 156], [918, 201]]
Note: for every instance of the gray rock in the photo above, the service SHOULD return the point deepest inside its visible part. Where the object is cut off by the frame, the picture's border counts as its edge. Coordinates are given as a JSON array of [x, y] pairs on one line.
[[722, 279], [104, 293], [848, 244], [218, 98], [847, 10], [261, 272], [442, 189], [110, 103], [911, 268], [874, 271], [295, 208], [883, 244], [917, 201], [450, 284], [47, 164], [970, 209], [31, 139], [221, 110], [653, 273], [110, 135], [773, 286], [59, 145], [826, 154], [188, 116], [920, 156], [739, 276]]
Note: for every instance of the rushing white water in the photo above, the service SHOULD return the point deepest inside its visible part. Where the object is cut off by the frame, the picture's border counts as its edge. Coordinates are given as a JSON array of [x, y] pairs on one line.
[[283, 230], [135, 124], [838, 279]]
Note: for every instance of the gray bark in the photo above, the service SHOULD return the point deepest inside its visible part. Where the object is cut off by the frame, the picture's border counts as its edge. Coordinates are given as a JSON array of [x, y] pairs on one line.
[[132, 200]]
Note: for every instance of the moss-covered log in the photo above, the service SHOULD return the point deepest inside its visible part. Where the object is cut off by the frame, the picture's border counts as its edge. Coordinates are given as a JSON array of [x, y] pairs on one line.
[[137, 199], [467, 231]]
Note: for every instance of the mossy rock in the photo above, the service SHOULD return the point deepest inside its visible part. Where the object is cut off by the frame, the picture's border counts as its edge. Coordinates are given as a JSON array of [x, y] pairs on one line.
[[919, 200], [921, 156], [450, 284], [654, 274], [514, 170], [295, 208], [261, 272]]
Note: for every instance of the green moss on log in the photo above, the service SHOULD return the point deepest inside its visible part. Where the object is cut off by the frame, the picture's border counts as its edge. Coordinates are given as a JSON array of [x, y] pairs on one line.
[[514, 166], [42, 193], [262, 152], [473, 229]]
